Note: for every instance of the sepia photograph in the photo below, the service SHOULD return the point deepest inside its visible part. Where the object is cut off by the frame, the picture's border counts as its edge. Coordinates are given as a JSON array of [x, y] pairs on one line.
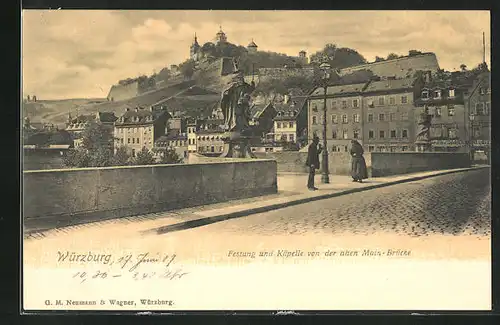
[[231, 160]]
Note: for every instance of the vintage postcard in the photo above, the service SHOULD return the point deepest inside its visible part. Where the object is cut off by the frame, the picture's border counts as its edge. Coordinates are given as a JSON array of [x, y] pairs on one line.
[[256, 160]]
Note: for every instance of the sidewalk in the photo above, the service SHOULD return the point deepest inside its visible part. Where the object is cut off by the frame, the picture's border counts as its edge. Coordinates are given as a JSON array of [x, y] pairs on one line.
[[292, 190]]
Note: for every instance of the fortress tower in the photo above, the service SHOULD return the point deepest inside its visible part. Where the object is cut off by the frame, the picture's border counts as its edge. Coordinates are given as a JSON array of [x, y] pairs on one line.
[[194, 51], [220, 37]]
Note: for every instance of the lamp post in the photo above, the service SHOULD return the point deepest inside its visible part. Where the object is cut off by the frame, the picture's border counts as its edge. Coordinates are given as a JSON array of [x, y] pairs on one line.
[[471, 136], [325, 179]]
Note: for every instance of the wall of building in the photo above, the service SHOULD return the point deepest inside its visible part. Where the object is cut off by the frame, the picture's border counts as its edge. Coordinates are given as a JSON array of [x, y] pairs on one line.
[[280, 73], [398, 116], [123, 92], [60, 197], [398, 67], [350, 106]]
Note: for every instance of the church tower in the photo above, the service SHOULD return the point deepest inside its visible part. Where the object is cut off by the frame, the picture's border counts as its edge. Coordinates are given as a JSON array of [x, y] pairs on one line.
[[220, 37], [194, 51]]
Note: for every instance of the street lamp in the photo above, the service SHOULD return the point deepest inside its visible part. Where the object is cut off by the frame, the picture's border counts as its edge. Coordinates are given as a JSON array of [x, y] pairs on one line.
[[325, 67], [471, 136]]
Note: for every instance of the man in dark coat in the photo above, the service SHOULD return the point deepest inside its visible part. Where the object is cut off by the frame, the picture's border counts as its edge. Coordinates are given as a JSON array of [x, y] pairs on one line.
[[313, 161], [358, 164]]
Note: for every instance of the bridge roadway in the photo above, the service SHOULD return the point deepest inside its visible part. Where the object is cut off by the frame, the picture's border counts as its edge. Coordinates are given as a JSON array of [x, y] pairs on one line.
[[446, 215]]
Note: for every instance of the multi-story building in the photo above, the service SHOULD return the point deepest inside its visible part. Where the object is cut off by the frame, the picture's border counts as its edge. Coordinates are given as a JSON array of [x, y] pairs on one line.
[[389, 114], [444, 101], [343, 115], [75, 126], [478, 108], [290, 120], [192, 127], [177, 142], [140, 128], [261, 119]]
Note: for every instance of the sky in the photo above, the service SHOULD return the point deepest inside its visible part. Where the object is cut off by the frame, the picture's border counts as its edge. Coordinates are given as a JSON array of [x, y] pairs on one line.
[[81, 53]]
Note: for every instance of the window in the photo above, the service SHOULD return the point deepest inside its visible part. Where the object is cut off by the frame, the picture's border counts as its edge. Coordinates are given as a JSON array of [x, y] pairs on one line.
[[482, 91], [334, 134], [381, 100], [393, 149], [392, 101], [344, 134], [437, 93], [133, 152], [355, 103], [381, 134], [356, 134], [404, 99], [344, 118], [314, 107], [344, 104], [137, 140], [371, 148], [278, 125], [370, 134], [393, 116], [334, 119], [381, 117], [451, 93], [370, 103], [314, 120], [128, 141], [291, 138], [356, 118], [212, 149], [290, 124], [405, 134], [133, 140], [425, 94], [404, 116], [452, 133], [451, 110], [334, 104], [437, 112], [370, 117], [479, 109], [393, 134]]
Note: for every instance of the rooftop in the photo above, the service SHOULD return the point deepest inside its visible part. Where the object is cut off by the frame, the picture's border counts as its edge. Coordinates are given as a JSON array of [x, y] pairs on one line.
[[390, 84], [140, 115], [340, 89]]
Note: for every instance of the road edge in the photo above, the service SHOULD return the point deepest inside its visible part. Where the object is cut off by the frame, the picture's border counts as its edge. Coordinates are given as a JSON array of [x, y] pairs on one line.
[[202, 221]]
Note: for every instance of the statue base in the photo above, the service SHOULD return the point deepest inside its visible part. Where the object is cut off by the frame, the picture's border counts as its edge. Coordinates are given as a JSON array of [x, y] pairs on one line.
[[423, 146], [237, 145]]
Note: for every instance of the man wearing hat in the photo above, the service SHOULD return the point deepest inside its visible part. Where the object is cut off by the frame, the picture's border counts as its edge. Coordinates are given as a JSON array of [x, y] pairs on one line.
[[313, 161]]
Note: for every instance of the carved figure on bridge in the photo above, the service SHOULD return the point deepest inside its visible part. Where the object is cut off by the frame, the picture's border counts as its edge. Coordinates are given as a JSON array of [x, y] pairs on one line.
[[235, 104], [423, 126]]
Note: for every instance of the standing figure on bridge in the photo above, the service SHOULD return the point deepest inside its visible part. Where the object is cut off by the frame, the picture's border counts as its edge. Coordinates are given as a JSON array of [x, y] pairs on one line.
[[358, 163], [235, 104], [313, 161]]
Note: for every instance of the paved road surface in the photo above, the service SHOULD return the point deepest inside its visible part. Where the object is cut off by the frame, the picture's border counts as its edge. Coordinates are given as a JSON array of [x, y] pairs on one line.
[[450, 204]]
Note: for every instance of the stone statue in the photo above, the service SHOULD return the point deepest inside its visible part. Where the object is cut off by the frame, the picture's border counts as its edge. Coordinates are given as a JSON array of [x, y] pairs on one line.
[[235, 104], [424, 125]]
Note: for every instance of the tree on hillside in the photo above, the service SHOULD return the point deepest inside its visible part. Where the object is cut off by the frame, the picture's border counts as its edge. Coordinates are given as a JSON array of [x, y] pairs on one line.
[[392, 56], [168, 156], [95, 136], [338, 57], [187, 68], [463, 67], [379, 59], [269, 86], [121, 157], [144, 157], [164, 74]]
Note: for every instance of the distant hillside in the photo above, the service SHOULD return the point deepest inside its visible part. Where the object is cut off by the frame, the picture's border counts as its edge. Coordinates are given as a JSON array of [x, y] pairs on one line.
[[56, 111]]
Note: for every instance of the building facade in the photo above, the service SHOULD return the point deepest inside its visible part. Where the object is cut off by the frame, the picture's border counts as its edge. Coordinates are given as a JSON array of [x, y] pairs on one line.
[[389, 118], [176, 142], [75, 126], [343, 115], [140, 128]]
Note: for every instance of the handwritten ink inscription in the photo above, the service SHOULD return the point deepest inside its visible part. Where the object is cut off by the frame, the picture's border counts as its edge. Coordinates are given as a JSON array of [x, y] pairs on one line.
[[128, 265]]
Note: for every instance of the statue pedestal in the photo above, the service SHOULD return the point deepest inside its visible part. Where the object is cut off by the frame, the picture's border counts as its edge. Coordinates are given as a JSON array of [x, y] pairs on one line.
[[423, 146], [237, 145]]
